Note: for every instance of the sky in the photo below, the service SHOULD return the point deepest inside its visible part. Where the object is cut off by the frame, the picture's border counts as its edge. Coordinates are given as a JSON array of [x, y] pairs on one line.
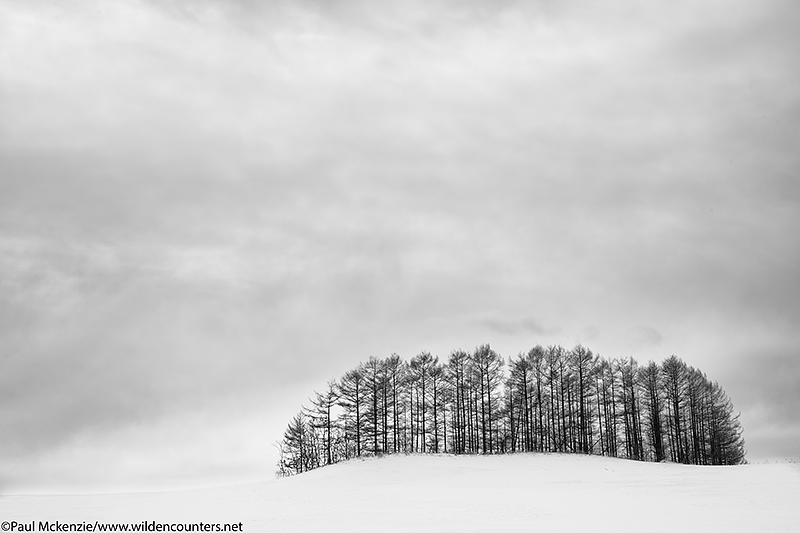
[[209, 209]]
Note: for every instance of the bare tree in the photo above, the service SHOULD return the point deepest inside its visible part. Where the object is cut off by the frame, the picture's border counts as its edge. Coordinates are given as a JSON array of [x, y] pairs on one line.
[[351, 398], [321, 417]]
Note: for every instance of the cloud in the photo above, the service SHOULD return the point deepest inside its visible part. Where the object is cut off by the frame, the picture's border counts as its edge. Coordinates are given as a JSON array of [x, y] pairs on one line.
[[644, 336], [513, 326], [205, 198]]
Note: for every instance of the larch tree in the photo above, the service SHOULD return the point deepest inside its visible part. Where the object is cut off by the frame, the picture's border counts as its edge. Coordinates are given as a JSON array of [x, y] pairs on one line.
[[488, 371], [649, 378], [352, 393], [374, 373], [321, 418], [674, 376]]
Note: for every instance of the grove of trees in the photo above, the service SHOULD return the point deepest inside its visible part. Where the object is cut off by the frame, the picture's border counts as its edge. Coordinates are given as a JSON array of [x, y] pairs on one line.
[[545, 400]]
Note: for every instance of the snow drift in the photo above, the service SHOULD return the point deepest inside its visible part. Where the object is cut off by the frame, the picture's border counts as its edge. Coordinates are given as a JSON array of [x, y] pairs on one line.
[[522, 492]]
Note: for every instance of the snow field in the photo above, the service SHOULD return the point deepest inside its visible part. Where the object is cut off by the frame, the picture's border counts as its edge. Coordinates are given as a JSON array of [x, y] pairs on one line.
[[522, 492]]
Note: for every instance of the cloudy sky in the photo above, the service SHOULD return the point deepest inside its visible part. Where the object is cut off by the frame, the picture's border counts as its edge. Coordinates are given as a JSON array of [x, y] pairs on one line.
[[208, 209]]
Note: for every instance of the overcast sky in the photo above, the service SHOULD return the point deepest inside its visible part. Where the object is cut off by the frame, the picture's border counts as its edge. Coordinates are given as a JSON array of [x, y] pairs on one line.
[[209, 209]]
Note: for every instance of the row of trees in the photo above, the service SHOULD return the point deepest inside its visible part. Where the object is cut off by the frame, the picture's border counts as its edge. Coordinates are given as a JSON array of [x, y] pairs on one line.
[[546, 400]]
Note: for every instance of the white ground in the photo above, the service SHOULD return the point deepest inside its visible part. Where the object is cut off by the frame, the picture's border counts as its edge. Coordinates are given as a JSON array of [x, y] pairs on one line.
[[526, 492]]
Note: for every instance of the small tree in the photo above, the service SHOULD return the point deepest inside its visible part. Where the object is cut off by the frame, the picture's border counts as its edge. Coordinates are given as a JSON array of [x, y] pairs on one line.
[[321, 418], [298, 451]]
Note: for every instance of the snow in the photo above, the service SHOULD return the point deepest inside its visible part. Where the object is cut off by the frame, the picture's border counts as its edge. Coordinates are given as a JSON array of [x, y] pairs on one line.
[[522, 492]]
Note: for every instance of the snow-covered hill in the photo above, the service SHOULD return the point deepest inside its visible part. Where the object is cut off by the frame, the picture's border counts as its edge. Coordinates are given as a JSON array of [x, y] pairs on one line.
[[525, 492]]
